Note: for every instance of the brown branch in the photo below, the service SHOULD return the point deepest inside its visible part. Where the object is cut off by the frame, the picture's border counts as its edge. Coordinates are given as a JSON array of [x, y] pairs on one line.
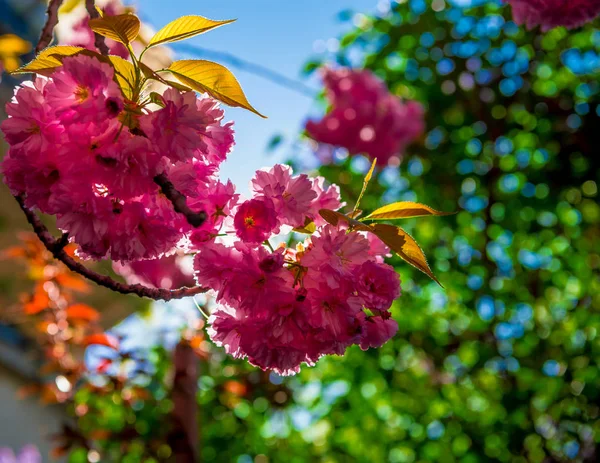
[[195, 219], [51, 22], [98, 39], [56, 247], [184, 437]]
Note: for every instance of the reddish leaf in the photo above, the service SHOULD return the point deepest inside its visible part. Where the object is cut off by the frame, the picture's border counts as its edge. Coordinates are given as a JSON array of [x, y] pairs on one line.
[[83, 312], [38, 303]]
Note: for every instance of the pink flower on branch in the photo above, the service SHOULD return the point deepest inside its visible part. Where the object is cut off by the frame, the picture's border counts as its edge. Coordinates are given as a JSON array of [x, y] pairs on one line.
[[72, 155], [280, 308]]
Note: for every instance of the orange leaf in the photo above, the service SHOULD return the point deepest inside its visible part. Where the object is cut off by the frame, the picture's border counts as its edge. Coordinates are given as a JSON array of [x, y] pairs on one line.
[[72, 281], [38, 303], [14, 252], [405, 246], [83, 312], [103, 339]]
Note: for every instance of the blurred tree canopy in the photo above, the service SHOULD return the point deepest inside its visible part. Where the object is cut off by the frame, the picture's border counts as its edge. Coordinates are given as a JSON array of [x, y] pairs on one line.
[[503, 364]]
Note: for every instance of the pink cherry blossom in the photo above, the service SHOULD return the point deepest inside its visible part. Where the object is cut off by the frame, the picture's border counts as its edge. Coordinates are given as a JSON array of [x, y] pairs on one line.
[[553, 13], [31, 126], [365, 118], [255, 220], [292, 196], [378, 285], [83, 90], [377, 248], [327, 198], [377, 330], [177, 130], [335, 247]]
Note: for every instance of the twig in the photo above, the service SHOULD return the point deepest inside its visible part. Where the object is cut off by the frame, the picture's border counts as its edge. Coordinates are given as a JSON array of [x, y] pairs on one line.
[[56, 247], [195, 219], [98, 39], [48, 30]]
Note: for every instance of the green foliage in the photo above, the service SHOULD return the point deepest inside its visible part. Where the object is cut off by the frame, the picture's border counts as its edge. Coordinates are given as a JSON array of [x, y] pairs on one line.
[[502, 365]]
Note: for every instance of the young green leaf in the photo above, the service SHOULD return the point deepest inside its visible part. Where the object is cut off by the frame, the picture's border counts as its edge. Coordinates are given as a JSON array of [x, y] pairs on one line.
[[214, 79], [405, 246], [123, 28], [403, 210], [309, 227], [184, 28], [124, 74], [370, 173], [365, 185], [48, 59], [157, 99]]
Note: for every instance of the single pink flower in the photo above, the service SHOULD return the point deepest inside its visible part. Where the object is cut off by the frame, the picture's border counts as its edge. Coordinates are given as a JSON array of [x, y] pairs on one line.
[[378, 285], [292, 196], [177, 130], [333, 305], [31, 126], [255, 220], [377, 248], [327, 198], [377, 330], [215, 267], [83, 90], [336, 247]]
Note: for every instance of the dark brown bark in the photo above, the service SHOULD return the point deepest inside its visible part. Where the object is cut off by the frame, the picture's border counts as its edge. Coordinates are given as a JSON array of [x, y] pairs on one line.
[[179, 201], [98, 39], [51, 22]]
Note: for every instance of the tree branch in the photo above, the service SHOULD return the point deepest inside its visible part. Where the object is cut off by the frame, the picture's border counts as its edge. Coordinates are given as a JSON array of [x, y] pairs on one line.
[[56, 247], [51, 22], [195, 219], [184, 436], [98, 39]]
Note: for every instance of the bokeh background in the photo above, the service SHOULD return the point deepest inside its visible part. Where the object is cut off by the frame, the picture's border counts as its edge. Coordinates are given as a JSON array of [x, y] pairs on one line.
[[501, 364]]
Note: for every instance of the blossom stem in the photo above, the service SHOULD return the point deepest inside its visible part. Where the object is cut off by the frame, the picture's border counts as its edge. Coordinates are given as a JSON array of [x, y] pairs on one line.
[[57, 248], [98, 39], [195, 219], [267, 244], [48, 30]]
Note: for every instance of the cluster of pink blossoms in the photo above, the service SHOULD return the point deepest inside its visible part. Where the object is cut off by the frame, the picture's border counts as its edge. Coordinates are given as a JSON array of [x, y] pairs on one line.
[[284, 307], [365, 118], [81, 152], [72, 156], [552, 13]]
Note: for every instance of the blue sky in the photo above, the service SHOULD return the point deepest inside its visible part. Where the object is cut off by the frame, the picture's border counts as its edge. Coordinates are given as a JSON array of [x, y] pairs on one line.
[[277, 34]]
